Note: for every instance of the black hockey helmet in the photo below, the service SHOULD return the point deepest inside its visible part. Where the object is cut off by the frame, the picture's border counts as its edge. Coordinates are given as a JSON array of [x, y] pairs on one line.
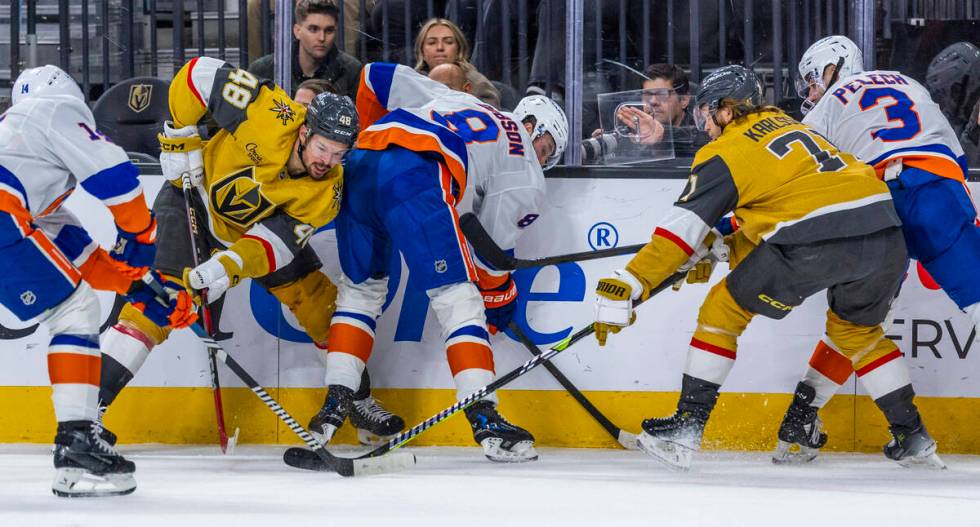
[[953, 80], [334, 117], [730, 82]]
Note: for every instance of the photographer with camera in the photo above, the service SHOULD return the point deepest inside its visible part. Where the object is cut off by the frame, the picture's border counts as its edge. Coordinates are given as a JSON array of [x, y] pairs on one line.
[[666, 100]]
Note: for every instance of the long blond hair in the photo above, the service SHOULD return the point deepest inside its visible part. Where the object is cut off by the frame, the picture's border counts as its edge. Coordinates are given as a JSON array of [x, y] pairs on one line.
[[742, 109], [463, 55]]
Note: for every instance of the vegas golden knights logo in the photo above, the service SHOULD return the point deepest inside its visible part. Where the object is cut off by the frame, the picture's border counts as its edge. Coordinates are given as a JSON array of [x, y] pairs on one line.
[[238, 199], [139, 97]]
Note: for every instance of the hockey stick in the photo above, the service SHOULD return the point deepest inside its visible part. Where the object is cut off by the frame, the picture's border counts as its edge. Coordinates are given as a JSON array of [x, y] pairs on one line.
[[227, 445], [304, 459], [624, 438], [344, 466], [489, 251]]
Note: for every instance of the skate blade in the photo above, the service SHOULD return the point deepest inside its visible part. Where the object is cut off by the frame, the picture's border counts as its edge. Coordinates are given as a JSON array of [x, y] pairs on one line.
[[521, 452], [627, 440], [672, 455], [80, 483], [368, 438], [927, 461], [784, 455]]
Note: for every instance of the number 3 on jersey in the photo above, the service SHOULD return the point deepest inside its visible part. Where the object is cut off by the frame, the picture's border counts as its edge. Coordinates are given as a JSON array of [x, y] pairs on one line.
[[473, 126], [903, 109]]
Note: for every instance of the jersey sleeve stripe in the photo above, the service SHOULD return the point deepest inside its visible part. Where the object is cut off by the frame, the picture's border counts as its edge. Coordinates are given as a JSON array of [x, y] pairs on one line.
[[112, 182], [369, 105], [677, 240], [270, 254], [190, 82]]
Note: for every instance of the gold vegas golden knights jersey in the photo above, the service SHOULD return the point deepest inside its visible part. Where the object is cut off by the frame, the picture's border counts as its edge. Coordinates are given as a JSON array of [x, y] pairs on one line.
[[786, 185], [258, 210]]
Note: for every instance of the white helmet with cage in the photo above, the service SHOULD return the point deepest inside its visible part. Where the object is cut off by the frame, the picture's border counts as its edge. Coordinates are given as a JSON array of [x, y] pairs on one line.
[[547, 117], [44, 81], [835, 50]]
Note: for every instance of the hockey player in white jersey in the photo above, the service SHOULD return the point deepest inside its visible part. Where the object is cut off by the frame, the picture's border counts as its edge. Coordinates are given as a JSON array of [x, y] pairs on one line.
[[49, 264], [421, 145], [889, 121]]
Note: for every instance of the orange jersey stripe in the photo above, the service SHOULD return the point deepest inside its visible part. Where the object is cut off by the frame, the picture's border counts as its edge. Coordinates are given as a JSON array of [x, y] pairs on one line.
[[941, 166], [55, 256], [55, 204], [352, 340], [382, 139], [831, 363], [469, 355], [131, 216], [11, 204], [369, 108], [74, 368]]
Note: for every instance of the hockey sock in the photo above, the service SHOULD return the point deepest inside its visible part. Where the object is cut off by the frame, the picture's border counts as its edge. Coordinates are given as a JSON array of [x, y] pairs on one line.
[[364, 390], [828, 370], [698, 396], [73, 366], [124, 350], [899, 409]]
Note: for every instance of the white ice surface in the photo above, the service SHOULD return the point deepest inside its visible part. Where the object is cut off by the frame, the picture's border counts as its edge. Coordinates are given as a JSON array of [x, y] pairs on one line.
[[191, 486]]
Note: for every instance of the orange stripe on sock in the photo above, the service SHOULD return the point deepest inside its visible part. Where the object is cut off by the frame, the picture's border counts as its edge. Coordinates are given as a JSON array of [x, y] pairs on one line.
[[711, 348], [468, 355], [74, 368], [831, 363], [881, 361], [345, 338]]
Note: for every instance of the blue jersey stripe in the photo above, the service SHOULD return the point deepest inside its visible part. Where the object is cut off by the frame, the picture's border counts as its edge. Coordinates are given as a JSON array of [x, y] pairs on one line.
[[357, 316], [381, 74], [72, 240], [938, 149], [8, 178], [447, 137], [113, 181], [82, 341], [473, 331]]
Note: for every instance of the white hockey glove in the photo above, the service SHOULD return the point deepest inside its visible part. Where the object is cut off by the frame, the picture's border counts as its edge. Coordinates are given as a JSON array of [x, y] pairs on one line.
[[701, 264], [614, 303], [180, 154], [210, 275]]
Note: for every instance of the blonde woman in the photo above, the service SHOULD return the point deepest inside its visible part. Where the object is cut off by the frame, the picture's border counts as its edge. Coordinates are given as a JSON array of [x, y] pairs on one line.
[[440, 41]]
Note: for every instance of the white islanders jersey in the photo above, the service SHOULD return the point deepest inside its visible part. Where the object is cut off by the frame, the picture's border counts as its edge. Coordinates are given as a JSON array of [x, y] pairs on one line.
[[397, 105], [880, 116], [48, 145]]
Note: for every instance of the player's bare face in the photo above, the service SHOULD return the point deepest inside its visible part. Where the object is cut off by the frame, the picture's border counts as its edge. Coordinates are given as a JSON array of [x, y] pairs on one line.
[[316, 35], [321, 155], [544, 146], [707, 124], [819, 87], [439, 46]]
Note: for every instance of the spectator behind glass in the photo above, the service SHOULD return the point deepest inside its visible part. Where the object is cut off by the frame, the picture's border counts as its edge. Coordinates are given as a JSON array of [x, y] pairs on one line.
[[453, 76], [666, 102], [953, 79], [314, 54], [310, 88], [439, 42]]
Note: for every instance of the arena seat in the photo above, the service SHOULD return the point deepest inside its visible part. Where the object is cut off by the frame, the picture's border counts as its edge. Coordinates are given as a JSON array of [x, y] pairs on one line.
[[132, 112]]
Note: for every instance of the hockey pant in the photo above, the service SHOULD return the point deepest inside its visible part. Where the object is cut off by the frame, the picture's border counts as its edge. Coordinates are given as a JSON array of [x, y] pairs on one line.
[[41, 282], [861, 276], [306, 291]]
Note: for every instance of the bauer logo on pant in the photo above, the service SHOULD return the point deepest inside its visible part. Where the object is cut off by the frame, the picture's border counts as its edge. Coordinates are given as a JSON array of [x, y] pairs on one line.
[[139, 97]]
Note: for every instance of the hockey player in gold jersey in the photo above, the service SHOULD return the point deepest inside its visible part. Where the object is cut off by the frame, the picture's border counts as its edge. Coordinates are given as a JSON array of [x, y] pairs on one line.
[[270, 176], [811, 218]]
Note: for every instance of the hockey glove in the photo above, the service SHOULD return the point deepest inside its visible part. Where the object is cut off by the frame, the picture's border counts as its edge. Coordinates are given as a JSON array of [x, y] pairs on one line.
[[700, 265], [180, 154], [614, 304], [500, 303], [211, 275], [134, 252], [177, 310]]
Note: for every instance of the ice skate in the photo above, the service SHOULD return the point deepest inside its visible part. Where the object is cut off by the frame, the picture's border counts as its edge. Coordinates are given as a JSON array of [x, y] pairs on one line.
[[800, 435], [86, 465], [673, 440], [336, 408], [104, 432], [502, 441], [913, 448], [375, 425]]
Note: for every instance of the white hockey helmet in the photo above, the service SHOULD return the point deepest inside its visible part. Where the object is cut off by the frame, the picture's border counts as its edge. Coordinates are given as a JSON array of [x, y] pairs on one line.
[[835, 50], [548, 117], [44, 80]]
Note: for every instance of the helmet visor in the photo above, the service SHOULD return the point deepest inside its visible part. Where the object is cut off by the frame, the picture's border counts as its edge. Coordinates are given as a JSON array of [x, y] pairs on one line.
[[701, 116]]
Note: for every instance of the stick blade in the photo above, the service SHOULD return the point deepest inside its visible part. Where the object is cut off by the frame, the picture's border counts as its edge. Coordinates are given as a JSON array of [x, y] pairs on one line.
[[628, 440], [306, 459]]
